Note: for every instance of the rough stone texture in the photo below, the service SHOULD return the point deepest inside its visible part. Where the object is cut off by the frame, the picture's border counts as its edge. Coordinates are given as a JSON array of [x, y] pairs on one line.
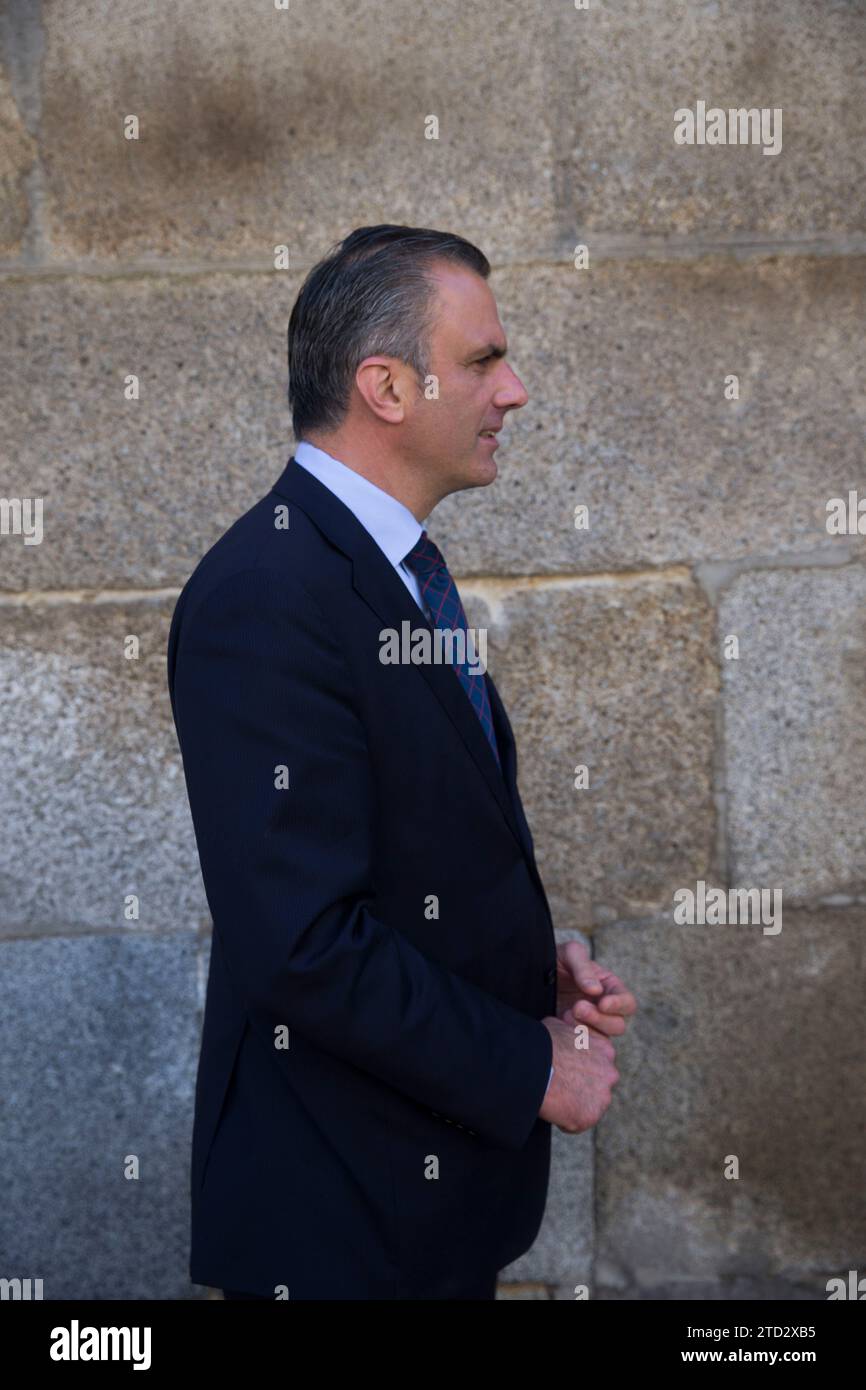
[[17, 153], [93, 800], [268, 128], [568, 1293], [619, 72], [99, 1038], [135, 491], [716, 1290], [625, 366], [625, 369], [522, 1293], [247, 139], [742, 1046], [619, 676], [795, 730]]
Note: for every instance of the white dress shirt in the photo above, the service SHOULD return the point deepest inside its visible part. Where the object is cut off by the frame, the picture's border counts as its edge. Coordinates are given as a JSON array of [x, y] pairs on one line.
[[393, 527]]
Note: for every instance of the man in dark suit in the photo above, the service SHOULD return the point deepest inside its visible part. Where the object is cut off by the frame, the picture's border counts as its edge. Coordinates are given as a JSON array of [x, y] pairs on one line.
[[390, 1030]]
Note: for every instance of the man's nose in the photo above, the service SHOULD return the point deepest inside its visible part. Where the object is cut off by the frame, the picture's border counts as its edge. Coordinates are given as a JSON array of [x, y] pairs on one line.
[[512, 394]]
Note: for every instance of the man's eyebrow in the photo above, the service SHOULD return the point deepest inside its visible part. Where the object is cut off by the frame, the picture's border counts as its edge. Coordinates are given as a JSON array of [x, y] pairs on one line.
[[490, 350]]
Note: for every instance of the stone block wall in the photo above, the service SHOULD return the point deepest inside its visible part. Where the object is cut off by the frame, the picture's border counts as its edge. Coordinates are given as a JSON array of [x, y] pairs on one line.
[[699, 647]]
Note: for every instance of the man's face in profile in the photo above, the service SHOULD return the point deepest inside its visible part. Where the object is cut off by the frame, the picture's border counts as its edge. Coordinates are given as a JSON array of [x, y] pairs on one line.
[[476, 385]]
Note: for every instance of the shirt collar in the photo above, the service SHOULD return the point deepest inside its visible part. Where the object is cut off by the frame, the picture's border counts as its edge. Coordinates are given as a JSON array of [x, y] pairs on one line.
[[393, 527]]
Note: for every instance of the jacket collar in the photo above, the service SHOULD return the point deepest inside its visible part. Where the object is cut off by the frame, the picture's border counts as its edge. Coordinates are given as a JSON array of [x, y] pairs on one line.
[[377, 583], [391, 524]]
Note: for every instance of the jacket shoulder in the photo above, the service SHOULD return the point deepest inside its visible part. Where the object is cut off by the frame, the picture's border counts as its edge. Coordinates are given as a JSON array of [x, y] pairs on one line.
[[273, 538]]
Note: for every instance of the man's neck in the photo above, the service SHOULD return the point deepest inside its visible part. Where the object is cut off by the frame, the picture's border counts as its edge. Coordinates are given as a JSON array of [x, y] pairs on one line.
[[390, 477]]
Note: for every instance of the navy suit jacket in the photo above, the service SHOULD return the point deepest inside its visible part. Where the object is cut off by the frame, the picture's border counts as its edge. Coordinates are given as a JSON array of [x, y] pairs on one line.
[[371, 1069]]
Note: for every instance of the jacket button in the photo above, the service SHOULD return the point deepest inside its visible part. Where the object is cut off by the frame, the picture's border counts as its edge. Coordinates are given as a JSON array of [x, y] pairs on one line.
[[550, 976]]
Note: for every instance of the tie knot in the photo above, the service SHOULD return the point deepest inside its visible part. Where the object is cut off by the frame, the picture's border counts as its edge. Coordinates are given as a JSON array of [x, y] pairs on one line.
[[425, 557]]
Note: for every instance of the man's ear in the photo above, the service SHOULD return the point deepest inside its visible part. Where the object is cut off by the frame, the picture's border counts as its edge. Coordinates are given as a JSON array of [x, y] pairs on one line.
[[379, 381]]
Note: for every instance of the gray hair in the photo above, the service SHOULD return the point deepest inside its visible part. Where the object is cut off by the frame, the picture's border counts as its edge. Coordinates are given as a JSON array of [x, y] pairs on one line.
[[372, 295]]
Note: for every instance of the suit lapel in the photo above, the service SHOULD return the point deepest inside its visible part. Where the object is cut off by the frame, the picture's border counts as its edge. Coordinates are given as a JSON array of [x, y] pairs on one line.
[[508, 753], [377, 582]]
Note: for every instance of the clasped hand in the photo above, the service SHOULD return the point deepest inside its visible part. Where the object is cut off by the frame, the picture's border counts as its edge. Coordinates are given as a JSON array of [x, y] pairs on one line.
[[587, 992]]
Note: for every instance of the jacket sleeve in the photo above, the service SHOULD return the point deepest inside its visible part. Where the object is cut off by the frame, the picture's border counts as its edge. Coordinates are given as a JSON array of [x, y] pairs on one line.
[[259, 684]]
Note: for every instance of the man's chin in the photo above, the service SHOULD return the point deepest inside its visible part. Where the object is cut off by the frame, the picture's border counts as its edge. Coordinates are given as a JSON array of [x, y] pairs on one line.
[[475, 472], [482, 471]]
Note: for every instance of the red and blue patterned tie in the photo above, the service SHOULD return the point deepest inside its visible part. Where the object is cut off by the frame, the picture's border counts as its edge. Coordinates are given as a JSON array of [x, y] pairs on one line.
[[446, 611]]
